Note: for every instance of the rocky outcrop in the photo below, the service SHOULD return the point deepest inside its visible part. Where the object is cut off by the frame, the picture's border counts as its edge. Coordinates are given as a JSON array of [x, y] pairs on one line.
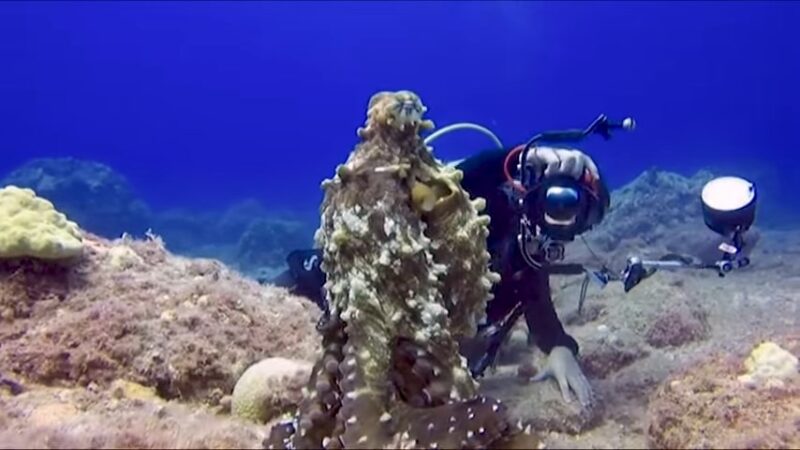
[[131, 310], [713, 405], [90, 193]]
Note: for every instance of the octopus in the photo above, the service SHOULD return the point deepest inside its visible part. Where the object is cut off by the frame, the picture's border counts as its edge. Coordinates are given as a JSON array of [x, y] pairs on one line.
[[404, 252]]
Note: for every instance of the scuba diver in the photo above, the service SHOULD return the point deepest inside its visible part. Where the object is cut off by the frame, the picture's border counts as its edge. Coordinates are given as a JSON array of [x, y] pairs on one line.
[[519, 204], [539, 196]]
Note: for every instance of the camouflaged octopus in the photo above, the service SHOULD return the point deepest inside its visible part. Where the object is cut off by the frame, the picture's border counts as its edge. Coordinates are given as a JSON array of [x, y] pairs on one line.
[[404, 251]]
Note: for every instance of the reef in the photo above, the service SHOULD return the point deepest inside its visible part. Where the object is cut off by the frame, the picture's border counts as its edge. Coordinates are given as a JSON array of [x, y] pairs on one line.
[[31, 227], [246, 236], [126, 415], [723, 403], [100, 199], [266, 242], [120, 344], [405, 256], [650, 208], [127, 309]]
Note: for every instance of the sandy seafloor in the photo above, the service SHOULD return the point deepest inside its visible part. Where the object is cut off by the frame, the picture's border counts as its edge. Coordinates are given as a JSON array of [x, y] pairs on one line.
[[672, 323], [626, 356]]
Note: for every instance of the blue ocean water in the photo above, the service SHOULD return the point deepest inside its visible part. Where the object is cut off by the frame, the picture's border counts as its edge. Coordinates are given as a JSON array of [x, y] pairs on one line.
[[200, 104]]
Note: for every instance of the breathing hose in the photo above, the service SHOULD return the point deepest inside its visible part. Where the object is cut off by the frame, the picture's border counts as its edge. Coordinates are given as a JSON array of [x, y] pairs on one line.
[[464, 126]]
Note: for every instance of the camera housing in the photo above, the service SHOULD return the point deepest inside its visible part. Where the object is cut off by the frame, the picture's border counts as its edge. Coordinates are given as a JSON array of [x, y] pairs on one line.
[[561, 207]]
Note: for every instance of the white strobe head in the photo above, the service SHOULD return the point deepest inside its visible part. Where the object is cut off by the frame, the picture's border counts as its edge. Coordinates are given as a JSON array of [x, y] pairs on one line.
[[728, 193]]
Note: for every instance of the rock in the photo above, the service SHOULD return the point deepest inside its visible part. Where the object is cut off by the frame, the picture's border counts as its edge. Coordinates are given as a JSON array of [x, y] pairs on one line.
[[677, 327], [188, 232], [236, 219], [270, 388], [123, 257], [185, 328], [665, 316], [650, 208], [266, 242], [607, 353], [540, 403], [51, 414], [76, 418], [90, 193], [708, 406]]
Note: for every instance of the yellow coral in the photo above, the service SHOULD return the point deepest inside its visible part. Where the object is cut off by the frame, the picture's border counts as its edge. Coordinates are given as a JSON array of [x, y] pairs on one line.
[[31, 227], [768, 361]]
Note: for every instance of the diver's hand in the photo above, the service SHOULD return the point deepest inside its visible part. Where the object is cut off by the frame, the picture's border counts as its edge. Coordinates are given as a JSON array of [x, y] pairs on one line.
[[551, 161], [562, 365]]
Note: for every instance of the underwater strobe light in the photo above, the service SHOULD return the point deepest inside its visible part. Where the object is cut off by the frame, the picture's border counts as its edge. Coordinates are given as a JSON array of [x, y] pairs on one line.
[[729, 209], [729, 205]]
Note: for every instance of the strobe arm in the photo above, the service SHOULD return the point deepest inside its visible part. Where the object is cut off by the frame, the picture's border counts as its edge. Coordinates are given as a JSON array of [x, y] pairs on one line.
[[601, 125], [638, 269]]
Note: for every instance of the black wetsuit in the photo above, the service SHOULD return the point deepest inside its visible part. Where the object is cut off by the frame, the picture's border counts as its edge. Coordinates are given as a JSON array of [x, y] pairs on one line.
[[483, 177]]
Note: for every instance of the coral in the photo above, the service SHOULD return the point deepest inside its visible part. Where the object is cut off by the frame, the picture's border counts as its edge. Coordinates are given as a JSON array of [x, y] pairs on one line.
[[89, 192], [405, 256], [707, 406], [269, 388], [30, 227], [131, 310], [769, 363]]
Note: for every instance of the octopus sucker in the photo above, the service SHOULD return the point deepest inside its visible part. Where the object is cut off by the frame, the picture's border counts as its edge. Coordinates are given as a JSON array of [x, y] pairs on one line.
[[407, 268]]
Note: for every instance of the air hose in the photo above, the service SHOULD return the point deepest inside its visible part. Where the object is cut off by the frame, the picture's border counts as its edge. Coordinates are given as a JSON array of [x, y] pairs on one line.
[[464, 126]]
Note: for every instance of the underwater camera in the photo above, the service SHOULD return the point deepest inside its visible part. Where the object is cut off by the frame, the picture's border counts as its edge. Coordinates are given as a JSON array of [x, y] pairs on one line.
[[561, 207], [556, 209]]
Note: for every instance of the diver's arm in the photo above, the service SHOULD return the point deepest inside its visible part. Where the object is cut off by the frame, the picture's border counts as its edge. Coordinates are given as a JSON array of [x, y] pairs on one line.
[[600, 207], [561, 349], [540, 314]]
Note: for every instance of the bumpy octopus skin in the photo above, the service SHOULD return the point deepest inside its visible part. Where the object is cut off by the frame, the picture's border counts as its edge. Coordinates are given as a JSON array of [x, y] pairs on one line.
[[391, 375]]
